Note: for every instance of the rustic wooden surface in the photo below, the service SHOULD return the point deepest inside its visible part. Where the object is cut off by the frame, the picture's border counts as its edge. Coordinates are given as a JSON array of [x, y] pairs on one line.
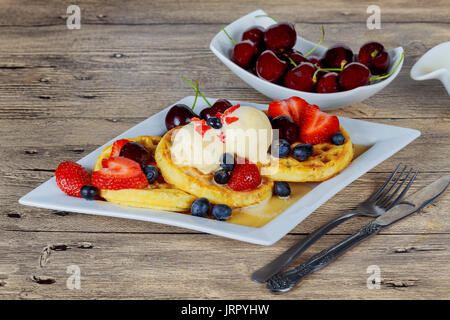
[[65, 92]]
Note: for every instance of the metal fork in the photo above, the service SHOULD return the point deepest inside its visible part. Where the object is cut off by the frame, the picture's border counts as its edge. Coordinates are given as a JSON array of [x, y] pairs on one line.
[[378, 203]]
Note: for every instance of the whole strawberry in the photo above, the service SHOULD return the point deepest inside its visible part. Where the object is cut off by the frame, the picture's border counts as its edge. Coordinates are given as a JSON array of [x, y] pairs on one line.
[[245, 176], [70, 177]]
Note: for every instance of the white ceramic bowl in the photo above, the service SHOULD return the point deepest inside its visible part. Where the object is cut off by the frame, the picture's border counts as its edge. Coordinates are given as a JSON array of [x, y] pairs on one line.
[[221, 46], [435, 64]]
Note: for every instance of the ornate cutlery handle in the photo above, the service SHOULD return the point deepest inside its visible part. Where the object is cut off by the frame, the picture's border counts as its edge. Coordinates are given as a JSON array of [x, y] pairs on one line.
[[287, 280], [272, 268]]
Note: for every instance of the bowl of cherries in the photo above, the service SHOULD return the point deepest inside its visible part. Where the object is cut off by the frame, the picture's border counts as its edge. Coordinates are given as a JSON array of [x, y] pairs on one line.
[[273, 59]]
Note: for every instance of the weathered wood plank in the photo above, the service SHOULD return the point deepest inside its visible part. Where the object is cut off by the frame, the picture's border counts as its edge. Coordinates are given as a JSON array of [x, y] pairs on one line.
[[135, 266], [41, 13]]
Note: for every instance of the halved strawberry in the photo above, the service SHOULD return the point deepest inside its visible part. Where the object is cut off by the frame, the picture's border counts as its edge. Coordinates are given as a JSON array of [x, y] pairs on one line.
[[291, 107], [317, 126], [70, 177], [117, 146], [119, 173]]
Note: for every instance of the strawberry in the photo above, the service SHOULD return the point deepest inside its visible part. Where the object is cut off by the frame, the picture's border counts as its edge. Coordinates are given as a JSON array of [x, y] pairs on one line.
[[117, 146], [317, 126], [291, 107], [119, 173], [245, 176], [70, 177]]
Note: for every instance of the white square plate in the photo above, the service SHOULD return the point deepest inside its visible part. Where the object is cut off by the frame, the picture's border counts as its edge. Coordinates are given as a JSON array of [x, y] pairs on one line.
[[221, 46], [385, 141]]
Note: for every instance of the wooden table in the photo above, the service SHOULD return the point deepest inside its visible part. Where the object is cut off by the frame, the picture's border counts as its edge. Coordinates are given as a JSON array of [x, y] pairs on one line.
[[65, 92]]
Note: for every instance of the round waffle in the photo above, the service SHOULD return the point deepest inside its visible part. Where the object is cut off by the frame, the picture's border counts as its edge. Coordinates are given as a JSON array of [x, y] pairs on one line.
[[202, 185], [326, 161], [159, 196]]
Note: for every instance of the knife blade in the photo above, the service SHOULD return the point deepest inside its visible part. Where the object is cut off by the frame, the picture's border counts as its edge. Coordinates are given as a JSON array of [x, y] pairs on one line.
[[414, 202], [287, 280]]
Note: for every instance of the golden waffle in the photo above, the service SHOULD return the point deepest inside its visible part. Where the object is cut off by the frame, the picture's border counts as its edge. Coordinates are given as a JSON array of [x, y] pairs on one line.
[[193, 181], [159, 196], [326, 161]]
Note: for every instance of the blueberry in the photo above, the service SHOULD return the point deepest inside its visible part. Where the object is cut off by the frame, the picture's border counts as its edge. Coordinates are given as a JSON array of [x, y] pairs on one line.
[[151, 172], [222, 176], [281, 189], [280, 148], [200, 207], [221, 211], [270, 118], [338, 139], [227, 162], [89, 192], [301, 152], [214, 122]]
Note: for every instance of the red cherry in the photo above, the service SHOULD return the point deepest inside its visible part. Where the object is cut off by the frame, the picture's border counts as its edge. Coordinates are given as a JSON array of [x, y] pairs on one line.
[[288, 129], [270, 67], [179, 115], [316, 61], [219, 106], [301, 77], [244, 53], [337, 55], [328, 83], [354, 75], [280, 37], [256, 35], [294, 55], [373, 56]]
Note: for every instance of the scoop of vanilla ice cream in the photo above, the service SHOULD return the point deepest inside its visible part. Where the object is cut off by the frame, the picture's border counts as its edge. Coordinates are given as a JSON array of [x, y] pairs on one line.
[[250, 135], [190, 148]]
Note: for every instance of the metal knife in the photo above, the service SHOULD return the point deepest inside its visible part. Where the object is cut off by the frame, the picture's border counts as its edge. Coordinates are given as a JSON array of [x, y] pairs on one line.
[[287, 280]]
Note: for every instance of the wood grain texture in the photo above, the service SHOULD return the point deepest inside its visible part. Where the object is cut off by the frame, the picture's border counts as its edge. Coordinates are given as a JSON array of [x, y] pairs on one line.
[[63, 93]]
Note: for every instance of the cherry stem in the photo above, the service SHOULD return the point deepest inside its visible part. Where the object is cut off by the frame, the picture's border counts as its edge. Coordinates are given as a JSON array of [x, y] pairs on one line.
[[292, 61], [390, 73], [318, 43], [197, 90], [266, 16], [234, 41], [325, 69], [196, 95]]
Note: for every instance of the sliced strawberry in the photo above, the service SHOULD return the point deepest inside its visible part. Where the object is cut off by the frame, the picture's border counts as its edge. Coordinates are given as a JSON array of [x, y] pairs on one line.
[[117, 146], [245, 176], [291, 107], [317, 126], [70, 177], [119, 173]]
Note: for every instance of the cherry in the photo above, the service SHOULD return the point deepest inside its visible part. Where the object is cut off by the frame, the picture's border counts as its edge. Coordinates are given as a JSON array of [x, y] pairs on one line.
[[219, 106], [293, 57], [179, 115], [280, 37], [354, 75], [337, 56], [270, 67], [244, 53], [288, 129], [137, 152], [256, 35], [373, 56], [316, 61], [328, 83], [301, 77]]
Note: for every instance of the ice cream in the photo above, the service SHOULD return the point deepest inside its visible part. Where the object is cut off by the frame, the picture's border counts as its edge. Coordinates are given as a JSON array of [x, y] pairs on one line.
[[245, 132], [196, 147], [250, 135]]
